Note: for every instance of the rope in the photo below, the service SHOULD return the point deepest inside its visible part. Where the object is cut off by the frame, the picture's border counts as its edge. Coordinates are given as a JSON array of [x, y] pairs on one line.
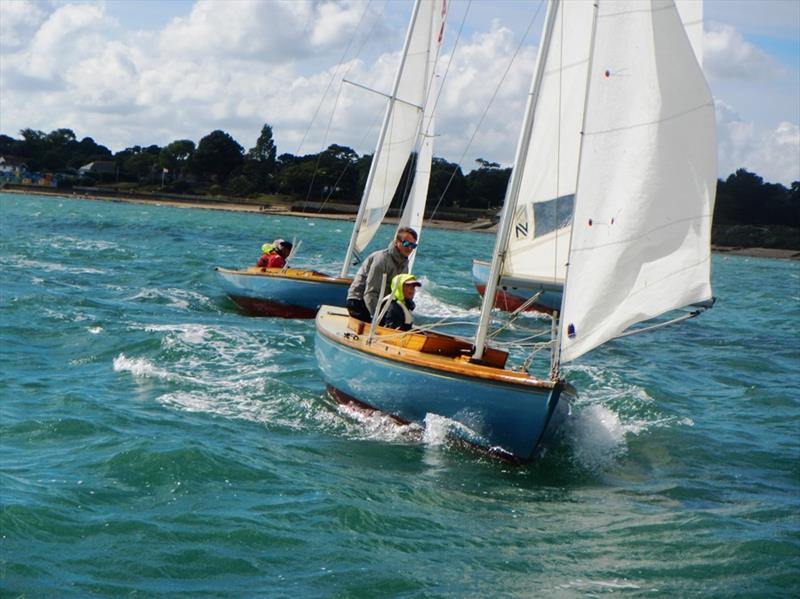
[[661, 325], [515, 314]]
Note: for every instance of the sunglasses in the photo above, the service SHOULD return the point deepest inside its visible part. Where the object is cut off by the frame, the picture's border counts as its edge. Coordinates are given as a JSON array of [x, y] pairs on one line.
[[409, 244]]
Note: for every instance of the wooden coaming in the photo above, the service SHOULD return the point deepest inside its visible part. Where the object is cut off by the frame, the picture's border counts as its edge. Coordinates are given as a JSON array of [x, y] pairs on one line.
[[409, 348], [289, 273]]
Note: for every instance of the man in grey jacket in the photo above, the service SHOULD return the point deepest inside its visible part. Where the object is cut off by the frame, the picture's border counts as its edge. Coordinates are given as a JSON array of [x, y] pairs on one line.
[[365, 291]]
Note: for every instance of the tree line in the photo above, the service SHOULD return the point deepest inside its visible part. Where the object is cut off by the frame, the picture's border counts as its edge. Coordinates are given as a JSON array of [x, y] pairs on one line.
[[218, 164]]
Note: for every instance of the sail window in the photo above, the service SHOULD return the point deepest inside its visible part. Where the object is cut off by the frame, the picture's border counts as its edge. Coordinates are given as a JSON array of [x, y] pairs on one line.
[[552, 215]]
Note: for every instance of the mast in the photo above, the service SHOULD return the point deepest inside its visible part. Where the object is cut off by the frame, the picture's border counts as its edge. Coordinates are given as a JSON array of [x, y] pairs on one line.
[[555, 354], [512, 191], [384, 127]]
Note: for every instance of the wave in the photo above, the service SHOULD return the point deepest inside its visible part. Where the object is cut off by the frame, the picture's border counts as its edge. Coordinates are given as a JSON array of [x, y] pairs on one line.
[[175, 297], [605, 413], [21, 262]]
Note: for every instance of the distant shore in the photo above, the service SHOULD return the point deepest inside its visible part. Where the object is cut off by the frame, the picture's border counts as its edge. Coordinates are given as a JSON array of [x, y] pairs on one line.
[[482, 226]]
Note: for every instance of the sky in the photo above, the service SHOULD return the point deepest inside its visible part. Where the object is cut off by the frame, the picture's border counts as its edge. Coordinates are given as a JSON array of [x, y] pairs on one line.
[[142, 72]]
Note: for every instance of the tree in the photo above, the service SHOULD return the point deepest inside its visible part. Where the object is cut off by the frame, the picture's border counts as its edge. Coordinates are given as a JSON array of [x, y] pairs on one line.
[[217, 155], [264, 151], [86, 151], [176, 157], [336, 176], [745, 199], [33, 148], [142, 166], [446, 186], [486, 185], [9, 146]]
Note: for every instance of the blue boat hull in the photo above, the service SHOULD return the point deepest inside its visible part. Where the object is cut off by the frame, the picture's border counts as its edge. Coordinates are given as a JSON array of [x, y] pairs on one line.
[[513, 421], [294, 293], [512, 293]]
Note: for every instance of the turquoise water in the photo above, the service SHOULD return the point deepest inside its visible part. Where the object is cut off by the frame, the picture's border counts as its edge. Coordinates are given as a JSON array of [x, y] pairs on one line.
[[156, 442]]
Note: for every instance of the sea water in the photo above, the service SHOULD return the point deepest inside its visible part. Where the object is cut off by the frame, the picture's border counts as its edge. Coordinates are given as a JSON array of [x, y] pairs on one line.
[[157, 442]]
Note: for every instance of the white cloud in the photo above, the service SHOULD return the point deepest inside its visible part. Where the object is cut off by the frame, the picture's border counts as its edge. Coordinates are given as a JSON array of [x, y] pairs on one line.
[[239, 64], [267, 32], [727, 55], [475, 74], [20, 19], [772, 154], [71, 33]]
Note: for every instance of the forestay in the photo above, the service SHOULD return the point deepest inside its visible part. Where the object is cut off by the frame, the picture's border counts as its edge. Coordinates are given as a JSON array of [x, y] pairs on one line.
[[645, 195]]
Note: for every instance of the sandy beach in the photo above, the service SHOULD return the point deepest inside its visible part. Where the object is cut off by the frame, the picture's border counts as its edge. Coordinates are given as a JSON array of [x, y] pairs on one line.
[[484, 226]]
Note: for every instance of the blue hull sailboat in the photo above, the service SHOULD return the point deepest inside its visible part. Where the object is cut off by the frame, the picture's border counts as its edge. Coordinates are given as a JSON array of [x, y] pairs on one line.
[[407, 129], [508, 413], [514, 293], [635, 169], [289, 293]]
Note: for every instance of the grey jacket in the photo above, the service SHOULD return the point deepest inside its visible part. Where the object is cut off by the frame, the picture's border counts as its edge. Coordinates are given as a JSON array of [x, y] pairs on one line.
[[366, 284]]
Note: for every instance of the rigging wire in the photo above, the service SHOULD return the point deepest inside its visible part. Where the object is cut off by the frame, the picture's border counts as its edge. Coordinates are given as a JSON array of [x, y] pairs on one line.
[[336, 101], [486, 110], [426, 132], [336, 70]]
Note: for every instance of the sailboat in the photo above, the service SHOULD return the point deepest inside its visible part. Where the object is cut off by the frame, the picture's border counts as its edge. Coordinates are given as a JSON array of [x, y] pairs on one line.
[[407, 127], [638, 246], [535, 268]]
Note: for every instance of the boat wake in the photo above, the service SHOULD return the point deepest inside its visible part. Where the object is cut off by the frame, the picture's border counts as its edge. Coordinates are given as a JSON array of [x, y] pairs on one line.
[[363, 423], [606, 413], [174, 297], [596, 438]]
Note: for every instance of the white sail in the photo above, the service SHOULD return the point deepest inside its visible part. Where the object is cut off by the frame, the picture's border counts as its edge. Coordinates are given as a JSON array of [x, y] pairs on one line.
[[539, 240], [691, 13], [645, 195], [414, 210], [403, 119]]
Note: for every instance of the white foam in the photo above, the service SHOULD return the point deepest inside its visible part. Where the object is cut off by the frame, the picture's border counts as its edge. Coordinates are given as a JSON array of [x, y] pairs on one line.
[[430, 306], [174, 296], [191, 334], [139, 367], [606, 411], [28, 264], [596, 436], [379, 426], [231, 405], [436, 429]]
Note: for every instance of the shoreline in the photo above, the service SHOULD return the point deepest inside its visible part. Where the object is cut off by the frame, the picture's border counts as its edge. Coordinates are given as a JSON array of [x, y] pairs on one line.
[[484, 226]]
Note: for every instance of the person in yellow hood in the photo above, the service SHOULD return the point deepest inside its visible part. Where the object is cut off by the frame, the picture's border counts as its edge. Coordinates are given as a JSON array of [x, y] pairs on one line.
[[398, 315]]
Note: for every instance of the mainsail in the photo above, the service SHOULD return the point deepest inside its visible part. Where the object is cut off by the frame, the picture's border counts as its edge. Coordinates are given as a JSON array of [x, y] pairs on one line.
[[647, 179], [402, 122]]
